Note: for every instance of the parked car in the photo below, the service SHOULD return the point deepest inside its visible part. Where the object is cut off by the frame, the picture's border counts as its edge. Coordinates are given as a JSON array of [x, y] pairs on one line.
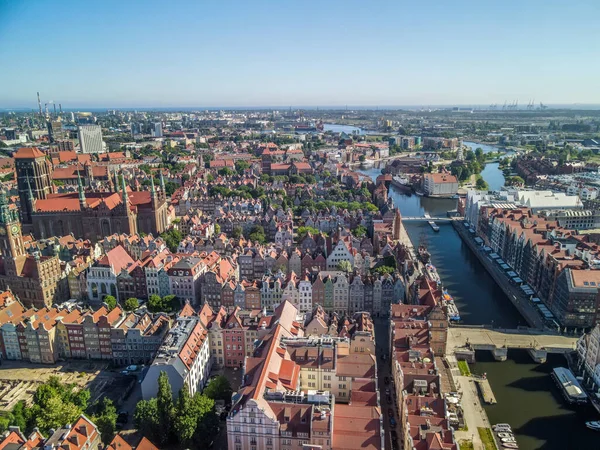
[[392, 421], [390, 412], [386, 380]]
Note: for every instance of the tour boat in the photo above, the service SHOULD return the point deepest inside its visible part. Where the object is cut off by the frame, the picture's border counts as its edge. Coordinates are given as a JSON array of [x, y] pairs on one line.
[[510, 445], [593, 425], [501, 425], [508, 439], [505, 434]]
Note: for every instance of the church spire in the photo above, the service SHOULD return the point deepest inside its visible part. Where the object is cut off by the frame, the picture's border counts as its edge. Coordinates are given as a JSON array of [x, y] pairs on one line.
[[125, 196], [152, 189], [162, 183], [82, 202]]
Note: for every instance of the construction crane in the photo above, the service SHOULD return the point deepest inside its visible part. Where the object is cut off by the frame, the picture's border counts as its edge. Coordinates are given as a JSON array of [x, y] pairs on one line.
[[542, 106], [504, 107]]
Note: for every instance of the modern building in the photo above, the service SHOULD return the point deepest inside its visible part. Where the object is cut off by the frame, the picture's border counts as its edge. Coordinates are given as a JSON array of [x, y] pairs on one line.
[[184, 356], [157, 130], [90, 139]]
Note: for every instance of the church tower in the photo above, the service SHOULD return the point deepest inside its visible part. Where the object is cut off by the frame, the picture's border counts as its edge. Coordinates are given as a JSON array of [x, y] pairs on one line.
[[32, 169], [397, 225], [11, 238]]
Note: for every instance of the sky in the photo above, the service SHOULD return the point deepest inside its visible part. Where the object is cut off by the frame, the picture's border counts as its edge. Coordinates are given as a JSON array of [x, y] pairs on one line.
[[230, 53]]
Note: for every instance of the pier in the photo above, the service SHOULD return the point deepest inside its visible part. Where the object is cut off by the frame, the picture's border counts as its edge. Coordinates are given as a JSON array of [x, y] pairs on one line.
[[485, 390]]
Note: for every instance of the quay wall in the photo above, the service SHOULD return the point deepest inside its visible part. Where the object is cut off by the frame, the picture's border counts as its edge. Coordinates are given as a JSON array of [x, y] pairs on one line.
[[524, 307]]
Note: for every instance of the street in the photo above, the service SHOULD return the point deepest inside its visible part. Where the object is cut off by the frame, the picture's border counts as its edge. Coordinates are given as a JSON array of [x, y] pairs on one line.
[[384, 370]]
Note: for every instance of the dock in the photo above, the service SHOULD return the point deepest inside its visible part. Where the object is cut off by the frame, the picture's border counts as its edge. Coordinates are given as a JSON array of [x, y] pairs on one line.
[[485, 390]]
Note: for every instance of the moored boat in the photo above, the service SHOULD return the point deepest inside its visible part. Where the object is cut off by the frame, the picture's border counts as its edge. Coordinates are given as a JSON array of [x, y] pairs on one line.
[[593, 425]]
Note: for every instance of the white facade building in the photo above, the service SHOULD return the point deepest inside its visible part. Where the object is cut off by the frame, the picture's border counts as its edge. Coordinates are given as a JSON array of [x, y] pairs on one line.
[[90, 139], [184, 356], [339, 253]]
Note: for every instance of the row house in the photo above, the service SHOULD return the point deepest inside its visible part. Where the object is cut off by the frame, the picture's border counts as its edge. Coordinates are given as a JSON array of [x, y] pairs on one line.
[[156, 267], [282, 402], [185, 279], [415, 332], [102, 275]]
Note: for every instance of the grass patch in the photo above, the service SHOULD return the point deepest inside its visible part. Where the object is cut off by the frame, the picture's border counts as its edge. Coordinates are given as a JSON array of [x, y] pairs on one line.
[[463, 366], [465, 428], [487, 438], [466, 445]]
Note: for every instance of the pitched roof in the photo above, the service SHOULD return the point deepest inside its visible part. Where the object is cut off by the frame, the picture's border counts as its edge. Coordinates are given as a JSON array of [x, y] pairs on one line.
[[28, 152]]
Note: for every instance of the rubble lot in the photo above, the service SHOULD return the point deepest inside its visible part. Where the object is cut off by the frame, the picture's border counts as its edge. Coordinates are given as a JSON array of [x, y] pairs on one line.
[[19, 380]]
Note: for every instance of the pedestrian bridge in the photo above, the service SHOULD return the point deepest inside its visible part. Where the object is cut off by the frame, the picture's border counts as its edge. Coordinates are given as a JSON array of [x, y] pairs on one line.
[[427, 219], [463, 341]]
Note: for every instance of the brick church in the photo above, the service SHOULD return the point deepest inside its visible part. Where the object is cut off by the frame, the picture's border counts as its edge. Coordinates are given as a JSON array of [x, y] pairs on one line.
[[87, 215]]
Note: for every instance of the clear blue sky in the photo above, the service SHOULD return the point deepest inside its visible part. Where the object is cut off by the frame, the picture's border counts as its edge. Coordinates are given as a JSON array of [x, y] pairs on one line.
[[248, 53]]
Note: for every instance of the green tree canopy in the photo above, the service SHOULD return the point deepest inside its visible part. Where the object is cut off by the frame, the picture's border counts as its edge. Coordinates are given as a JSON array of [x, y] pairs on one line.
[[131, 304], [219, 389], [105, 419], [345, 266], [111, 301]]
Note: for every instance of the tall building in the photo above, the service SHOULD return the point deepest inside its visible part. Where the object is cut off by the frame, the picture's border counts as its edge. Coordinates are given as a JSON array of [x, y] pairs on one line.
[[34, 279], [158, 131], [33, 179], [90, 138]]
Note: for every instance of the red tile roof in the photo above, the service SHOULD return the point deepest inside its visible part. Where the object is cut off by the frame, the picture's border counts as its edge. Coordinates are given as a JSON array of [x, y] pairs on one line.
[[29, 152]]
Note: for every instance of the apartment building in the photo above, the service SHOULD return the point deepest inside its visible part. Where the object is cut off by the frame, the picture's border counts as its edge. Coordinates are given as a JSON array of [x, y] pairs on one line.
[[558, 264], [275, 410], [184, 355], [185, 279], [588, 352]]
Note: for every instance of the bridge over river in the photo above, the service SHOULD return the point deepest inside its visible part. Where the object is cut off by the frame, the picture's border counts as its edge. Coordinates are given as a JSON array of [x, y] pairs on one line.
[[463, 341]]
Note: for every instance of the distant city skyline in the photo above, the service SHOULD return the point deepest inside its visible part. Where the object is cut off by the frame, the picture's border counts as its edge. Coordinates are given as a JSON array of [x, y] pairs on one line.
[[279, 54]]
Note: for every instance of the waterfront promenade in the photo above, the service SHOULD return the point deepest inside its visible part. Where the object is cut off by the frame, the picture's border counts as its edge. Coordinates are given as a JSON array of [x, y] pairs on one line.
[[517, 297]]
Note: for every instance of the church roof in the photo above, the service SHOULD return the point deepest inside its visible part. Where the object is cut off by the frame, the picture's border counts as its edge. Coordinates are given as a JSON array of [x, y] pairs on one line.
[[29, 152]]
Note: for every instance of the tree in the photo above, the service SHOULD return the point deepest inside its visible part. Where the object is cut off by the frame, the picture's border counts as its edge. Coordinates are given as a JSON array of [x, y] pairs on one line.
[[146, 418], [303, 231], [131, 304], [164, 403], [257, 234], [106, 419], [345, 266], [155, 303], [172, 239], [360, 231], [226, 171], [110, 301], [237, 232], [210, 178], [481, 184], [219, 389], [217, 228], [241, 166]]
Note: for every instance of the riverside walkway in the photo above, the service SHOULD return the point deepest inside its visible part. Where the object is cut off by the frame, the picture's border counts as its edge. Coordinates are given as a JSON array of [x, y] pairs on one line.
[[465, 340]]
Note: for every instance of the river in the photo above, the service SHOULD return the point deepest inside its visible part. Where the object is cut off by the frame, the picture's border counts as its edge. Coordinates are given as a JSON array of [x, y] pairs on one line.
[[527, 398]]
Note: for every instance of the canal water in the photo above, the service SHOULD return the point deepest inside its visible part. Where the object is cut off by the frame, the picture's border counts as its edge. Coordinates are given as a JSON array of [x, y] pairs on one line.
[[527, 398]]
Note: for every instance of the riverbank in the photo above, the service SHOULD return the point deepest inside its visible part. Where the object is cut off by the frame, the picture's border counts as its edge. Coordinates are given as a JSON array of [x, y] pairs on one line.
[[513, 293]]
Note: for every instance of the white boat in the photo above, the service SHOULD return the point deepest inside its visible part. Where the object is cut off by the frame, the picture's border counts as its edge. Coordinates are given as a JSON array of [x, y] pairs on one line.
[[510, 439], [510, 445], [593, 425], [505, 434], [433, 225], [501, 425]]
